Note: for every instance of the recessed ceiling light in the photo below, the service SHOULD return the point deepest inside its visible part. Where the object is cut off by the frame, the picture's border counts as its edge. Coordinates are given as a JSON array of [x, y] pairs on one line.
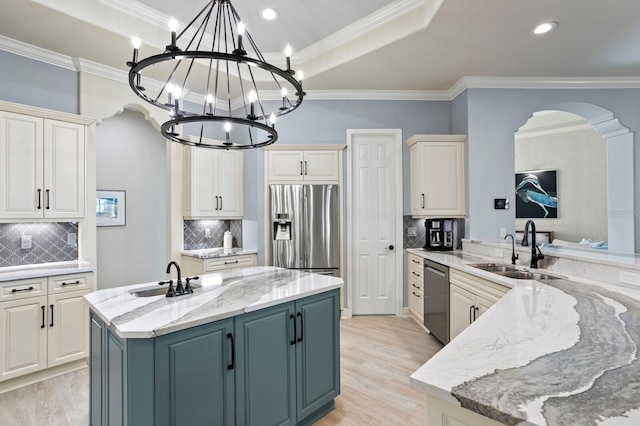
[[269, 14], [544, 28]]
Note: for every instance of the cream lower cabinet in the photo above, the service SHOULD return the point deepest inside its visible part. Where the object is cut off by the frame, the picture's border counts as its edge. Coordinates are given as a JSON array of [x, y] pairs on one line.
[[43, 163], [303, 165], [43, 323], [436, 165], [212, 183], [196, 266], [443, 413], [415, 290], [470, 297]]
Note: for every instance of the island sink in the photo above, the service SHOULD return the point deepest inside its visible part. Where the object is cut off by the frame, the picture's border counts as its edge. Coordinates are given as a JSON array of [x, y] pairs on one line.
[[155, 291]]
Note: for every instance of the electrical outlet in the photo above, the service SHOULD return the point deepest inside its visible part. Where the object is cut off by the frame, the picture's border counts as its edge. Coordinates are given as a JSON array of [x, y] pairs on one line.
[[629, 277], [503, 232], [412, 231], [72, 238], [499, 253], [207, 232], [25, 242]]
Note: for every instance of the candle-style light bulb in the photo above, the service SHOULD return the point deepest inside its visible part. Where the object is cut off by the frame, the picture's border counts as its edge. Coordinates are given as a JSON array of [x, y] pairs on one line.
[[210, 102], [300, 76], [173, 27], [177, 92], [252, 99], [169, 88], [240, 50], [287, 53], [227, 129], [272, 120], [135, 41]]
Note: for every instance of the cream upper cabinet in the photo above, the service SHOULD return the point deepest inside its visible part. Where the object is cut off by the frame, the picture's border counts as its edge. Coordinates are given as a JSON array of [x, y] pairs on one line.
[[303, 165], [470, 297], [437, 175], [212, 183], [44, 162]]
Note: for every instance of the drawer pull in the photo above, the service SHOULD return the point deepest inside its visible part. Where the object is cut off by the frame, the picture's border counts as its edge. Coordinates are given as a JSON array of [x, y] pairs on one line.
[[18, 290], [229, 263], [416, 286], [73, 283], [415, 261], [414, 273], [416, 295]]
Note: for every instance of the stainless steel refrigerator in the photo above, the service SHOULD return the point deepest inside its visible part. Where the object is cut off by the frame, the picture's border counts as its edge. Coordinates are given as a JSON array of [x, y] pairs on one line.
[[305, 227]]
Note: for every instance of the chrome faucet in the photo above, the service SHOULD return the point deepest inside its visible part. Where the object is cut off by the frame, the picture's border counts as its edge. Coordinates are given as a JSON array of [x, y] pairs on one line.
[[179, 289], [525, 242], [514, 256]]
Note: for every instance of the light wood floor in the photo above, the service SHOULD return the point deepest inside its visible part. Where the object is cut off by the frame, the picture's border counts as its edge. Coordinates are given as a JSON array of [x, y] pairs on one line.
[[378, 354]]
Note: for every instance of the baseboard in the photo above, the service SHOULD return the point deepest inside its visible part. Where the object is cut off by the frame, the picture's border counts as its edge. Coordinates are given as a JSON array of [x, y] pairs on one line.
[[406, 312], [38, 376]]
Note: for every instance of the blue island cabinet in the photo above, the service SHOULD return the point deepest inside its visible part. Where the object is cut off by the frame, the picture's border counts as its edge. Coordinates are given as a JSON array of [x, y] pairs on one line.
[[275, 366]]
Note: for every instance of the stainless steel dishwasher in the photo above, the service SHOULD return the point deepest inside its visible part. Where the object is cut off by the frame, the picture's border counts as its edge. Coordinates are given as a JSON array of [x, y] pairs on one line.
[[436, 300]]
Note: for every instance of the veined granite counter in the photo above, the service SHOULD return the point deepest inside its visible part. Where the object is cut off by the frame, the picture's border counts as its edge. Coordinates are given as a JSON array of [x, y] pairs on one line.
[[558, 352], [222, 295], [24, 272], [218, 252]]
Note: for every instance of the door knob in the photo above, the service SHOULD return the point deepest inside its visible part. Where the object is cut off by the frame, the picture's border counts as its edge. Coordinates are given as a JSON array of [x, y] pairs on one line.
[[391, 247]]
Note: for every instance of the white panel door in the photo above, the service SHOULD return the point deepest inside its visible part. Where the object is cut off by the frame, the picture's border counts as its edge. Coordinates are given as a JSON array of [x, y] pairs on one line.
[[229, 183], [375, 223], [21, 178], [23, 334], [63, 169]]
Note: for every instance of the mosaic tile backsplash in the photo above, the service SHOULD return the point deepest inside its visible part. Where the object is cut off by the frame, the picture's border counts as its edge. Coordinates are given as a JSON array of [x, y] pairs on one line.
[[48, 243], [195, 233]]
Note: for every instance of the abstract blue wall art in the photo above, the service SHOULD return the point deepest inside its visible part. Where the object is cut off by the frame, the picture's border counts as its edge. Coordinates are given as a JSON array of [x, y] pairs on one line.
[[537, 194]]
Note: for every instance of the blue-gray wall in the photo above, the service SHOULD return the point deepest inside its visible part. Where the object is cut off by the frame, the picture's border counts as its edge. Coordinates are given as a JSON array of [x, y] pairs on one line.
[[494, 115], [30, 82]]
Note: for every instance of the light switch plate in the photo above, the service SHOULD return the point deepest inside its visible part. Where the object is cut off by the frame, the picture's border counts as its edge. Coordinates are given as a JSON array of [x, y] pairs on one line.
[[25, 242], [207, 232], [412, 231], [72, 238]]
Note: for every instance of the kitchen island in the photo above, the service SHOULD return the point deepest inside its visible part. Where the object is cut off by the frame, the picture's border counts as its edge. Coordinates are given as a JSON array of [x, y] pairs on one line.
[[552, 352], [252, 346]]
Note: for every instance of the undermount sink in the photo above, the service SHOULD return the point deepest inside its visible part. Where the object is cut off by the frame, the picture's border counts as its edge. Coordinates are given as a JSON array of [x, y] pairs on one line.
[[155, 291], [525, 275], [510, 271], [495, 267]]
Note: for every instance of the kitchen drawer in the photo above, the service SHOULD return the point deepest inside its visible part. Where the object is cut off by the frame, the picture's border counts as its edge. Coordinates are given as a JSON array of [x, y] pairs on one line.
[[416, 285], [231, 262], [22, 289], [416, 265], [416, 302], [72, 282]]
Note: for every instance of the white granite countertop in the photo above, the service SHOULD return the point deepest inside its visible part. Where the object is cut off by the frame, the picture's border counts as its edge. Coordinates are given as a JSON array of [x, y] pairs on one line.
[[558, 352], [218, 252], [222, 295], [12, 273]]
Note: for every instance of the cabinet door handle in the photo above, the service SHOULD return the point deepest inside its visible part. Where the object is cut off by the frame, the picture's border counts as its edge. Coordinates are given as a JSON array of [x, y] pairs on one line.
[[51, 324], [306, 169], [471, 310], [216, 202], [47, 191], [423, 201], [229, 263], [301, 327], [39, 199], [301, 169], [295, 332], [18, 290], [42, 326], [221, 202], [73, 283], [233, 352], [475, 311]]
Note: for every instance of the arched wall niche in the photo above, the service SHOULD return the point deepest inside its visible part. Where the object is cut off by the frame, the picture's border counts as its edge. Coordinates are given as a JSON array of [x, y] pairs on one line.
[[621, 209]]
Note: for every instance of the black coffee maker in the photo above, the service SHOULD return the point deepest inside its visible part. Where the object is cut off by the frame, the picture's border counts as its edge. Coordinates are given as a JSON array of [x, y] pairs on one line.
[[439, 234]]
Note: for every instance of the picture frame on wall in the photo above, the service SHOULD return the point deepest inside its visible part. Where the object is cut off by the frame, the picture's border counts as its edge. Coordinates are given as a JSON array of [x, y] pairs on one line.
[[111, 208], [537, 194]]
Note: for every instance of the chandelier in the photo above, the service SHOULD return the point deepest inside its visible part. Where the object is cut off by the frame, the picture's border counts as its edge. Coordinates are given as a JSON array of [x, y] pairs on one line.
[[215, 59]]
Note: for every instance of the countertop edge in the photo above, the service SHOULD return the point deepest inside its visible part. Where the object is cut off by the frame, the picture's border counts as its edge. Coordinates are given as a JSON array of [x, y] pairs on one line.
[[53, 269]]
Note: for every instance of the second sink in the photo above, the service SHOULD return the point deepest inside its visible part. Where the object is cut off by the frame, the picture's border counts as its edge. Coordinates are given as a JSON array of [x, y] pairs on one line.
[[495, 267]]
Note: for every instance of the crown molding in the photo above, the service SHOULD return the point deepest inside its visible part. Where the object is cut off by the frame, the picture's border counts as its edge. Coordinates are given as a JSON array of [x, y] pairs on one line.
[[84, 65], [36, 53]]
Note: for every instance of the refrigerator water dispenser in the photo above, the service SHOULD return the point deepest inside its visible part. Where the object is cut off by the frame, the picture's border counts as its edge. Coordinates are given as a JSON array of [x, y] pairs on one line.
[[282, 227]]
